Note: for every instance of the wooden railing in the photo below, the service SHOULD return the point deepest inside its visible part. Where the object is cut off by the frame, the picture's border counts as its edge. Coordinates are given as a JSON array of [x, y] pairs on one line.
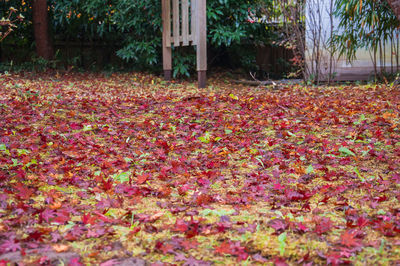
[[184, 24]]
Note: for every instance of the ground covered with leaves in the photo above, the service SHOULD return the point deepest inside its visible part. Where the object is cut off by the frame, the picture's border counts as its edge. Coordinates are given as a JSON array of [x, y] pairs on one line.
[[97, 169]]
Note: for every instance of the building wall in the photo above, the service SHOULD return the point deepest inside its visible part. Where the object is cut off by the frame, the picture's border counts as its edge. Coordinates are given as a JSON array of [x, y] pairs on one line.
[[360, 69]]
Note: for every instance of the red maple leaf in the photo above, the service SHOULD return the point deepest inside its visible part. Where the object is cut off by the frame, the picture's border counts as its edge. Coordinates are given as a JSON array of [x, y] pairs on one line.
[[36, 235], [349, 239], [106, 184], [23, 191], [203, 199], [47, 214], [75, 262], [224, 248], [62, 217], [142, 179], [181, 226], [87, 219], [362, 222], [193, 230], [183, 189], [387, 228], [232, 249], [323, 225], [278, 224], [189, 244], [167, 248], [333, 258], [278, 186]]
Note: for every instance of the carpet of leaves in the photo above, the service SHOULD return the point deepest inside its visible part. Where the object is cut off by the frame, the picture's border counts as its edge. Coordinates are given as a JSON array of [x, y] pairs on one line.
[[128, 166]]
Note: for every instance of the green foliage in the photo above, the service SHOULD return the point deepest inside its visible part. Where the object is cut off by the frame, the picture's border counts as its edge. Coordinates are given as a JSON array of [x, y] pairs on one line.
[[134, 29], [183, 63], [35, 64], [137, 27], [123, 22], [363, 24]]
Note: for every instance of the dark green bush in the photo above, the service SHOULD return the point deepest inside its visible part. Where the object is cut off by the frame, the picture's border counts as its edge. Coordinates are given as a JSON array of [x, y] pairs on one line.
[[134, 27]]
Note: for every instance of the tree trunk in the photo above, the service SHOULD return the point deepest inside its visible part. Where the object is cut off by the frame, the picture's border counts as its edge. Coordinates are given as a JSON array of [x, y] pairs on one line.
[[395, 4], [44, 46]]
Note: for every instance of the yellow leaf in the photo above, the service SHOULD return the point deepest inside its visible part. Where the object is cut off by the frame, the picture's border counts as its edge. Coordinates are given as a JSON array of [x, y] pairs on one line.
[[233, 96]]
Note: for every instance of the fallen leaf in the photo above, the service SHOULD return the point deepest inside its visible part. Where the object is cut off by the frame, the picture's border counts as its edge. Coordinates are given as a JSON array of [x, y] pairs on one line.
[[60, 248]]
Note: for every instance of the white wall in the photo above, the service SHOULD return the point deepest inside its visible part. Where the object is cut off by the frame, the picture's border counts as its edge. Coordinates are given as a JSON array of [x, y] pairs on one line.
[[361, 68]]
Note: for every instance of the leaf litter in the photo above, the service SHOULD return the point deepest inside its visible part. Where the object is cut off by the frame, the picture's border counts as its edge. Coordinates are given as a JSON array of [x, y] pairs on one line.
[[103, 169]]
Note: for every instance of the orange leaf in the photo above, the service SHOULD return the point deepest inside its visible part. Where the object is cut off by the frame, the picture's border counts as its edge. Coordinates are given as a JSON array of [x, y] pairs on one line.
[[142, 179], [60, 248], [164, 191], [388, 115], [156, 216], [93, 254], [56, 205]]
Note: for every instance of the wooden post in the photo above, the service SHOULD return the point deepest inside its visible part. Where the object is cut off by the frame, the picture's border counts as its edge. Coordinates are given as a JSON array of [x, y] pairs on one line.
[[185, 22], [179, 34], [201, 36], [176, 22], [167, 51]]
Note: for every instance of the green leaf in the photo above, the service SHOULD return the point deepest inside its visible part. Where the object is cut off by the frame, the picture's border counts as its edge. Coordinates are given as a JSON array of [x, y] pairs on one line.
[[15, 162], [122, 177], [32, 162], [87, 128], [258, 158], [22, 152], [65, 189], [4, 149], [345, 151], [97, 173], [282, 243], [360, 120], [358, 174], [382, 246], [291, 134], [222, 212], [205, 138], [310, 169], [128, 160], [112, 213], [253, 151], [217, 139], [381, 212]]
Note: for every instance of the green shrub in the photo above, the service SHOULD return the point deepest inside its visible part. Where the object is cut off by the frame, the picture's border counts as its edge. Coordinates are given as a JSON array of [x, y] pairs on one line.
[[135, 27]]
